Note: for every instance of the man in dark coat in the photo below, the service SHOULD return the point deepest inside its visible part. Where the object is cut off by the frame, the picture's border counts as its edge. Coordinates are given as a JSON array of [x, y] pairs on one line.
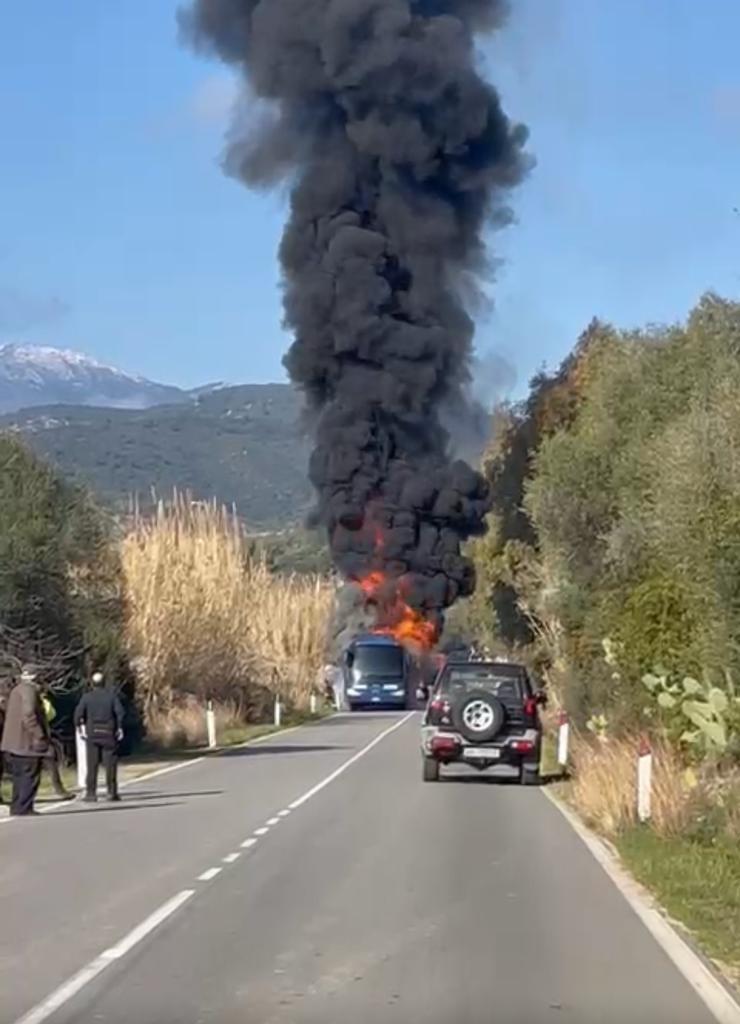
[[100, 716], [25, 741]]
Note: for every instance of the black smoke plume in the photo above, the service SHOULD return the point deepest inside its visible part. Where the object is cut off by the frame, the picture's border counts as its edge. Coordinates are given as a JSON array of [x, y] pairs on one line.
[[399, 155]]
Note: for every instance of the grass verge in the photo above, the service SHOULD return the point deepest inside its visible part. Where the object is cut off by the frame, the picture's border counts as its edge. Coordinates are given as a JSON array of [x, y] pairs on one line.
[[698, 884]]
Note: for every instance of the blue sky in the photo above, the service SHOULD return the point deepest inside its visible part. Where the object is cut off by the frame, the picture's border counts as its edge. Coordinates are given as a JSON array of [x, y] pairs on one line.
[[120, 236]]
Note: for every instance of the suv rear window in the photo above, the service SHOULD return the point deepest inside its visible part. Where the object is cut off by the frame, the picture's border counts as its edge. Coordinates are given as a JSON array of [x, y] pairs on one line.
[[458, 680]]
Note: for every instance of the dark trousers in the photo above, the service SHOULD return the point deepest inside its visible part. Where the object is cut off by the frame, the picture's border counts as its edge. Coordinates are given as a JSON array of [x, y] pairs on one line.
[[51, 764], [26, 775], [107, 753]]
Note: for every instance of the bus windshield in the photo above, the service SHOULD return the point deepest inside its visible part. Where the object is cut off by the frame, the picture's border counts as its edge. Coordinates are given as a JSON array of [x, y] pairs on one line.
[[378, 660]]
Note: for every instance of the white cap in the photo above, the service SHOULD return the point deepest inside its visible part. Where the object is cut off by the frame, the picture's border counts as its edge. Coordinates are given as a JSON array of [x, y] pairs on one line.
[[97, 677]]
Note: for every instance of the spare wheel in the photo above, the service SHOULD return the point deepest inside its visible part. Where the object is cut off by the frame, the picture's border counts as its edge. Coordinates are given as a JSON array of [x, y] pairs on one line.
[[478, 716]]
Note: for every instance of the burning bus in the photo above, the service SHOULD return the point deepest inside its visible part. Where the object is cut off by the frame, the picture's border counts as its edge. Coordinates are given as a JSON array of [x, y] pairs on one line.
[[378, 672]]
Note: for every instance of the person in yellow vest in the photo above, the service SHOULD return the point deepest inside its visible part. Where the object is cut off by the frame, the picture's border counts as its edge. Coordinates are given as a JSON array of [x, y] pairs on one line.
[[53, 759]]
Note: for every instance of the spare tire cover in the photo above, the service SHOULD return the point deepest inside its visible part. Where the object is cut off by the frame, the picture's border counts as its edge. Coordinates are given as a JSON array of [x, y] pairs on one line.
[[478, 716]]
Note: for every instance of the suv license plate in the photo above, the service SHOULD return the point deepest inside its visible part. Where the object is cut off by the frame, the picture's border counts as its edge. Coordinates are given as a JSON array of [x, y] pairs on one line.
[[482, 753]]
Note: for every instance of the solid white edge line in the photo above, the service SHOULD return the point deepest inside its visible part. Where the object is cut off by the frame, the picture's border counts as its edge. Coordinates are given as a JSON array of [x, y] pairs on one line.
[[209, 875], [231, 857], [248, 843], [42, 1011], [348, 764], [182, 764], [715, 996]]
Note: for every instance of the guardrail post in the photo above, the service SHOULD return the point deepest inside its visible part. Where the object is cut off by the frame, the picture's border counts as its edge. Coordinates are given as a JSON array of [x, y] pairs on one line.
[[211, 724], [81, 758], [313, 704], [278, 711], [644, 779], [563, 738]]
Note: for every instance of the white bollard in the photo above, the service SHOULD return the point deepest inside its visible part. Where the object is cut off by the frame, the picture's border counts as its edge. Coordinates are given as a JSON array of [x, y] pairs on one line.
[[644, 779], [81, 752], [313, 703], [563, 738], [278, 711], [211, 724]]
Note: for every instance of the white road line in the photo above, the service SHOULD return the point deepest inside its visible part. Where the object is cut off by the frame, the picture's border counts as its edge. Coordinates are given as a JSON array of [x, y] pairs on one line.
[[181, 764], [162, 771], [141, 931], [283, 814], [231, 857], [273, 821], [42, 1011], [710, 990], [348, 764], [209, 875]]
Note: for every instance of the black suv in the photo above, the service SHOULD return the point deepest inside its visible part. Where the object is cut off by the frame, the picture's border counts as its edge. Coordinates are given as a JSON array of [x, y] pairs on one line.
[[483, 713]]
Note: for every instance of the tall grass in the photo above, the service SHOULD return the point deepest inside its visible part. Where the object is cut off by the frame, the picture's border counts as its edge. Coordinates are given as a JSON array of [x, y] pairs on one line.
[[204, 618], [604, 786]]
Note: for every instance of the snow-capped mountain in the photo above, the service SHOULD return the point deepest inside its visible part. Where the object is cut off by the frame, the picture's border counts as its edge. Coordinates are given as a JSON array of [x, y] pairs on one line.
[[32, 375]]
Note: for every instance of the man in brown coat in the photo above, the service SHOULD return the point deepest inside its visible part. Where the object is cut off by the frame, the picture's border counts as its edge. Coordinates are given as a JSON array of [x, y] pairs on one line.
[[25, 741]]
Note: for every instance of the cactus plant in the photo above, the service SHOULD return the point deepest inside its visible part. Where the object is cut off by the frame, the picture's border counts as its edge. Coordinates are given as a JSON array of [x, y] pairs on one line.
[[706, 714]]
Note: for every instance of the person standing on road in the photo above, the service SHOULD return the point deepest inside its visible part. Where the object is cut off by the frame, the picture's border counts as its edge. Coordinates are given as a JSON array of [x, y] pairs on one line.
[[336, 677], [53, 761], [100, 717], [3, 702], [25, 741]]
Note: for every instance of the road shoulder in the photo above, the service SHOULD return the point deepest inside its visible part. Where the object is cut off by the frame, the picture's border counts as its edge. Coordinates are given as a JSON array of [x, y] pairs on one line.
[[712, 989]]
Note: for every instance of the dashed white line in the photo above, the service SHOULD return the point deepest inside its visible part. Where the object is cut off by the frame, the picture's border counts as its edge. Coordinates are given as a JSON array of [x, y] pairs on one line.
[[209, 875], [42, 1011], [231, 857], [273, 821]]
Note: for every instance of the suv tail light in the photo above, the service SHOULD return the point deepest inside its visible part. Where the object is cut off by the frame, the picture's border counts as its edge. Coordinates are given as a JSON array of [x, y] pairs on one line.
[[530, 707], [439, 711], [523, 746], [444, 745]]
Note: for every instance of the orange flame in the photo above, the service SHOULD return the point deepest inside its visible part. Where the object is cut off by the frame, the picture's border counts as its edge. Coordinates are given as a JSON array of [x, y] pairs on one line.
[[400, 620]]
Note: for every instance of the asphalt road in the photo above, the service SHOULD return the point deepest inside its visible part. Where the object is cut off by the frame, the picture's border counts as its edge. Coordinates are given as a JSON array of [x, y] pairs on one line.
[[376, 899]]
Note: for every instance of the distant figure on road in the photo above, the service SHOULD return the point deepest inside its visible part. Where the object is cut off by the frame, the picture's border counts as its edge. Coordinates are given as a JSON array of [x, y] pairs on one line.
[[25, 741], [3, 705], [100, 717], [336, 681], [53, 760]]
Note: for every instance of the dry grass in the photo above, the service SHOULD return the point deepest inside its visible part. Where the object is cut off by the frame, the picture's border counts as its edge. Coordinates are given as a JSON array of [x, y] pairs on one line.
[[604, 787], [203, 618], [184, 724]]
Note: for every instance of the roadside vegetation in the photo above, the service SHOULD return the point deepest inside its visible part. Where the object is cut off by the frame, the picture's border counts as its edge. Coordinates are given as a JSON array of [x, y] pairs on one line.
[[613, 567], [179, 607], [207, 619]]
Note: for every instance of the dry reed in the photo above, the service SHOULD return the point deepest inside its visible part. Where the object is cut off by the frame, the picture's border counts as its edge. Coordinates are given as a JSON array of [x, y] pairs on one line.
[[204, 618]]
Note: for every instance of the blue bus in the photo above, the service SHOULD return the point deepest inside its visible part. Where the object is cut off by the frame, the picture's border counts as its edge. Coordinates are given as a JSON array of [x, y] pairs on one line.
[[377, 672]]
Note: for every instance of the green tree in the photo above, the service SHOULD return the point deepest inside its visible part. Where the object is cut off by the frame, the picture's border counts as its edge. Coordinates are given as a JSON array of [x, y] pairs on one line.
[[58, 569]]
